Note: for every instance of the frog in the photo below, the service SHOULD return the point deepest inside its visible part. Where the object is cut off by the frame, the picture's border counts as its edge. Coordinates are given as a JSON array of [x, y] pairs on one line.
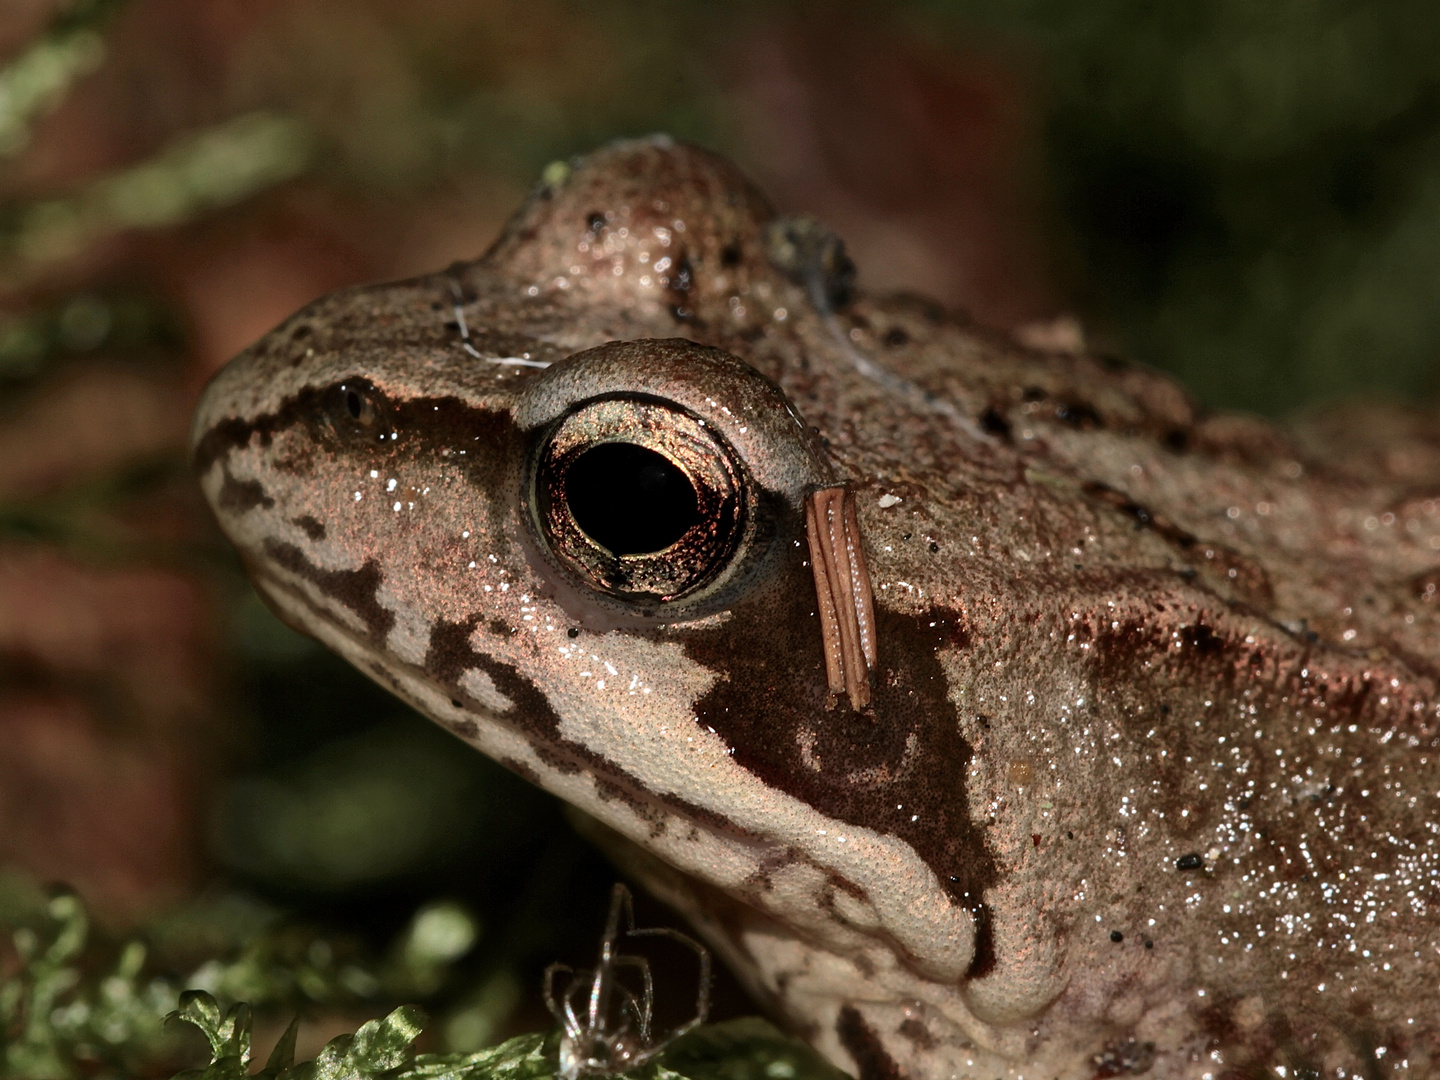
[[991, 710]]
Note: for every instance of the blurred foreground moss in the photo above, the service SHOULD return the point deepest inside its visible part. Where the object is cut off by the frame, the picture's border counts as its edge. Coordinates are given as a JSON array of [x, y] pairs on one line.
[[61, 1016], [72, 1007], [73, 1004]]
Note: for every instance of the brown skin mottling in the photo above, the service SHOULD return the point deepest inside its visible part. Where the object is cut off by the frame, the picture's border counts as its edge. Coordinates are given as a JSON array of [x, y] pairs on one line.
[[1149, 781]]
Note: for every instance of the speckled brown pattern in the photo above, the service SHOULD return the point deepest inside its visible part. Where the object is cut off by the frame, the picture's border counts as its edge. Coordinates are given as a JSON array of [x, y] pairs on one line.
[[1149, 783]]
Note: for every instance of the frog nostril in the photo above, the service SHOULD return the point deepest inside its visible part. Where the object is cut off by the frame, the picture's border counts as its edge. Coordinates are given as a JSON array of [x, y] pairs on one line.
[[629, 499], [355, 407]]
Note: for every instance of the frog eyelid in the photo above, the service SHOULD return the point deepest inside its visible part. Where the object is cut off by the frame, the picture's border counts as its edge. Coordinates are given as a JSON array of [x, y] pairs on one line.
[[720, 390]]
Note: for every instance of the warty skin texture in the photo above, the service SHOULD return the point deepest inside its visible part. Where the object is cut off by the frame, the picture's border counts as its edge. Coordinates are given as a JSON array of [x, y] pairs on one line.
[[1149, 786]]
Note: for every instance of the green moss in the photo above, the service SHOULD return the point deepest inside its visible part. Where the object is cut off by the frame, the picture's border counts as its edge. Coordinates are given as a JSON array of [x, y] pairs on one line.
[[744, 1049], [74, 1008]]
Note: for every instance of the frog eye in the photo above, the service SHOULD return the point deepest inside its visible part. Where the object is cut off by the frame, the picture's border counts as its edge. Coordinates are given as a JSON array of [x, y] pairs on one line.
[[637, 498], [662, 479], [356, 408]]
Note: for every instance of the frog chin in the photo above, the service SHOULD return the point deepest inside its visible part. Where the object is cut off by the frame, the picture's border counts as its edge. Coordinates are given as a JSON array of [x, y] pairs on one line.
[[828, 992]]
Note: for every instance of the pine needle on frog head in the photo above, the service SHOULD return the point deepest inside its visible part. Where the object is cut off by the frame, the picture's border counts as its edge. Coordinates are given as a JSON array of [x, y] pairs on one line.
[[614, 1033]]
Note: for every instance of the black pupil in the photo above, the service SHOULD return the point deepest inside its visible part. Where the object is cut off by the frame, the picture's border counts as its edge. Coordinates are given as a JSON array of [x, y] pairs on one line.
[[354, 403], [628, 499]]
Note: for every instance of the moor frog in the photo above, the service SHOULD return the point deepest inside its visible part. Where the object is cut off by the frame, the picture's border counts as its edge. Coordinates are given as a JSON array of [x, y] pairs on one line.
[[1123, 759]]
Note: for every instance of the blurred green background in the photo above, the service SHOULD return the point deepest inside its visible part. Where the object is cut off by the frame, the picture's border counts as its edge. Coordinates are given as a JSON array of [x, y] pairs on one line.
[[1247, 195]]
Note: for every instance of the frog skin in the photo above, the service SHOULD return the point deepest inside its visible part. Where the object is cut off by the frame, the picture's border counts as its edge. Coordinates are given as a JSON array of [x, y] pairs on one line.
[[1147, 784]]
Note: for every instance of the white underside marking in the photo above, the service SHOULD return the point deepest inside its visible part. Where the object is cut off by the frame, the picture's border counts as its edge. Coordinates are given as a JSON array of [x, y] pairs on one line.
[[482, 688], [409, 637]]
